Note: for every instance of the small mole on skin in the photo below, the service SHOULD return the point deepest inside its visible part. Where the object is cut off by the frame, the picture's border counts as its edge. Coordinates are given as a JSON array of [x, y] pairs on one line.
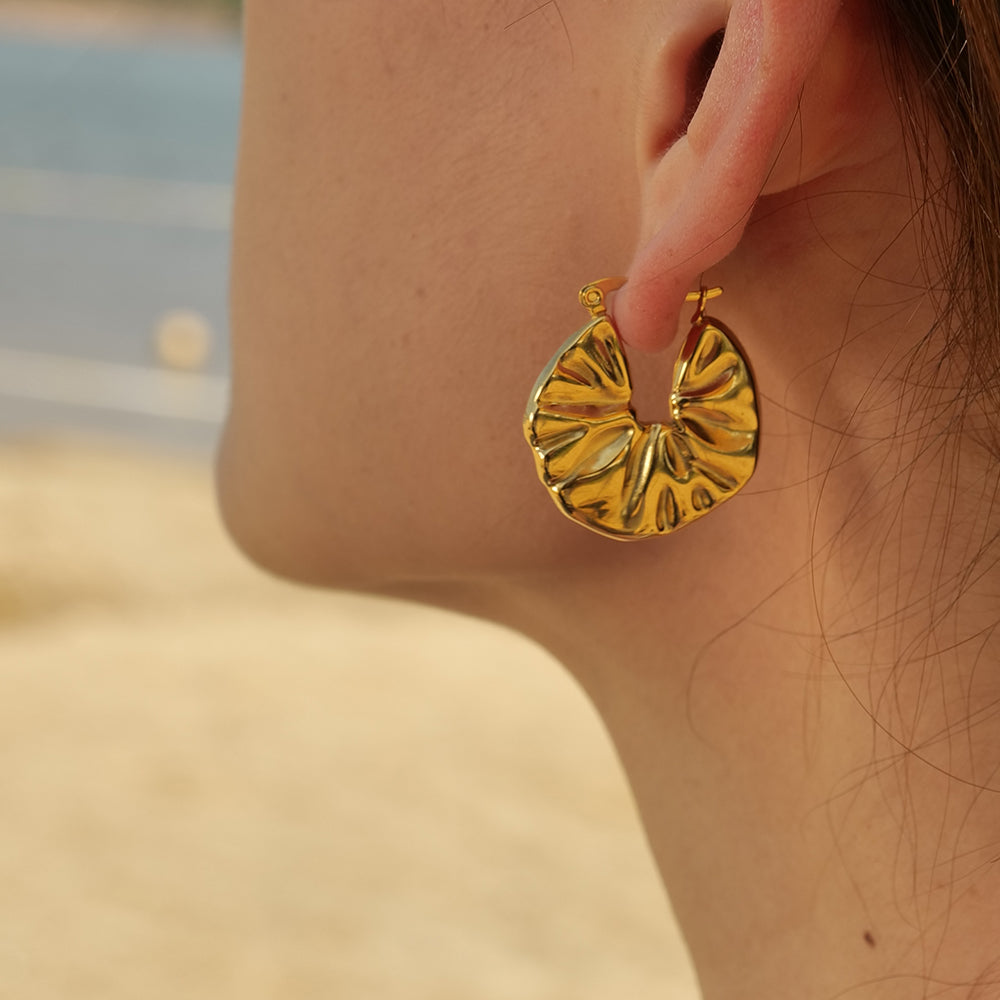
[[869, 939]]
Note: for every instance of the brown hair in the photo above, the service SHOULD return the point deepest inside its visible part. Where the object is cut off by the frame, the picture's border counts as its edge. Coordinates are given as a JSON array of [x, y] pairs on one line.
[[946, 56]]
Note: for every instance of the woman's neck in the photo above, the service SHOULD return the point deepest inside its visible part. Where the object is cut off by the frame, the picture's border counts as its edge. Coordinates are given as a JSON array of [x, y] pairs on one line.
[[825, 819], [803, 687]]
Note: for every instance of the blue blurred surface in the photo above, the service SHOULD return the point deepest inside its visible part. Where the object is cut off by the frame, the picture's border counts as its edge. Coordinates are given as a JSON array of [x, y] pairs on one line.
[[115, 166], [143, 109]]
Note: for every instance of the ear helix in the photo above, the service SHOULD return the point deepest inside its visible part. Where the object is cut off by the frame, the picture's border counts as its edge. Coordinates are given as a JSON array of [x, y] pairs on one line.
[[624, 479]]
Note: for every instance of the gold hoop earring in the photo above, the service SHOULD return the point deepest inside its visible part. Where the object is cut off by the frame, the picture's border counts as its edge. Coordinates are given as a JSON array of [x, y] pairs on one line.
[[616, 476]]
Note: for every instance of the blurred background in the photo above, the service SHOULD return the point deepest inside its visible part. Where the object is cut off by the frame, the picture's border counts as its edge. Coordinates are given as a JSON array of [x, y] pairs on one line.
[[214, 785]]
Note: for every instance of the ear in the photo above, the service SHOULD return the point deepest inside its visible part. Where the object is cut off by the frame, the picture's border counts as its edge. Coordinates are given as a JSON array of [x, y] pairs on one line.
[[698, 194]]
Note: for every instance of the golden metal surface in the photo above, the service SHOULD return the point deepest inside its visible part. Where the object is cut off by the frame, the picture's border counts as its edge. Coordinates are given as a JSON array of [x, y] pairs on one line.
[[614, 475]]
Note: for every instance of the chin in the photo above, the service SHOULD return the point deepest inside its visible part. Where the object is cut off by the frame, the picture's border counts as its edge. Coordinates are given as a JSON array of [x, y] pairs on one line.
[[270, 515], [289, 519]]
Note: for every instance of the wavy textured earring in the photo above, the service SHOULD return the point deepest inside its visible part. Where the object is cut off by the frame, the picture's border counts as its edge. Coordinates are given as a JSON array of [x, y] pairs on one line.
[[622, 478]]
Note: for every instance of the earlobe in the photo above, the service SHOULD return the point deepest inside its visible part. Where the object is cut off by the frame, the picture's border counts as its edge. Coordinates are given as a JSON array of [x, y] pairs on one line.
[[699, 193]]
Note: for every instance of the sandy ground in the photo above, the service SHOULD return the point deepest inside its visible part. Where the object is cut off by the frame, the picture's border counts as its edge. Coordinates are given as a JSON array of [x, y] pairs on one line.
[[113, 19], [218, 786]]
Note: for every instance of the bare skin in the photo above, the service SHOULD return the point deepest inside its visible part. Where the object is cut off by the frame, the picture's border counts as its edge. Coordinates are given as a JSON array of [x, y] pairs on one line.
[[801, 685]]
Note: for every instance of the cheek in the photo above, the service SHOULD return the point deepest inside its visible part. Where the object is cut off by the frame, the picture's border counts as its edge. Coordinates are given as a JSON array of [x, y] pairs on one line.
[[414, 217]]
